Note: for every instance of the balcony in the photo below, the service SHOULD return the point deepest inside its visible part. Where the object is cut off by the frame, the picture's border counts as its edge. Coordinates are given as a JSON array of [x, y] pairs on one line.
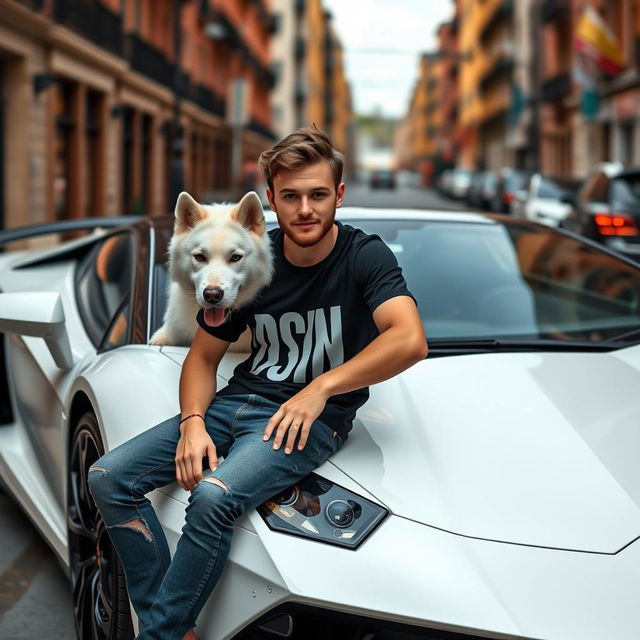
[[260, 129], [34, 5], [495, 105], [556, 88], [554, 9], [502, 12], [208, 100], [149, 61], [266, 18], [300, 94], [503, 65], [203, 10], [92, 21], [222, 29]]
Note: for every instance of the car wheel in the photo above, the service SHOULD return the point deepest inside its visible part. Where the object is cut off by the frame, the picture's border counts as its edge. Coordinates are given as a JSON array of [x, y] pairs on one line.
[[100, 599]]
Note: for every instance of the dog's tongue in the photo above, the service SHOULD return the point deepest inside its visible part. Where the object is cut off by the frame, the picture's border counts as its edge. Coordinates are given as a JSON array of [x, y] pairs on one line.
[[214, 317]]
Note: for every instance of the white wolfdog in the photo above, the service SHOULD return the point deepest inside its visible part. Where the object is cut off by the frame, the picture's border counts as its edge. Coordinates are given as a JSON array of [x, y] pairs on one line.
[[219, 258]]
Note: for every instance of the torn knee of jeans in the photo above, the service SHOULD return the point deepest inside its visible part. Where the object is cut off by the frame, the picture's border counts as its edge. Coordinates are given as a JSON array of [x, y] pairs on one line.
[[97, 469], [218, 482], [139, 526]]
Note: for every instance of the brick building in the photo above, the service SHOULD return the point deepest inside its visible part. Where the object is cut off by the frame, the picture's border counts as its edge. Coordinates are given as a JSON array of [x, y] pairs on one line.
[[311, 84], [104, 104]]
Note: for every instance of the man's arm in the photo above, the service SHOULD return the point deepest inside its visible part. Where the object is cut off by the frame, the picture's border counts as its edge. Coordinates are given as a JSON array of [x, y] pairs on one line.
[[197, 390], [401, 343]]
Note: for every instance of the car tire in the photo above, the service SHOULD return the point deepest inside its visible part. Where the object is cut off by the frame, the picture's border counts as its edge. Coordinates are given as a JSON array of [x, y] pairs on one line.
[[100, 599]]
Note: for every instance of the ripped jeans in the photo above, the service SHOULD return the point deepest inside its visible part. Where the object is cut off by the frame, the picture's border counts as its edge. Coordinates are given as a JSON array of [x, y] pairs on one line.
[[168, 593]]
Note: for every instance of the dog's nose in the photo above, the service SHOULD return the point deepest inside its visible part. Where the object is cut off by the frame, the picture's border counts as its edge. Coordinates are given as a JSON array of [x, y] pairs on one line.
[[213, 294]]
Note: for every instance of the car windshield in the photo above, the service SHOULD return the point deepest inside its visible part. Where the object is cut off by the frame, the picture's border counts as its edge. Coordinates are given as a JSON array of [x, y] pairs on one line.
[[626, 190], [515, 180], [550, 190], [494, 280], [490, 180]]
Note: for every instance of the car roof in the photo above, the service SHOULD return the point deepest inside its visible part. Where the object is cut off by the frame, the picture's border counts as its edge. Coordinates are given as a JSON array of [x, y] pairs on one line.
[[610, 169], [362, 213]]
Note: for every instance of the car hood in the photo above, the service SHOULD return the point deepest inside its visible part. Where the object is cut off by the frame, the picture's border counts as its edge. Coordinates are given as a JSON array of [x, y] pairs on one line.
[[527, 448], [537, 449]]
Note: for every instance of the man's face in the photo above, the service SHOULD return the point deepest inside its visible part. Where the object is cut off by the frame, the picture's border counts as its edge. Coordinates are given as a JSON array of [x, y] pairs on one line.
[[305, 202]]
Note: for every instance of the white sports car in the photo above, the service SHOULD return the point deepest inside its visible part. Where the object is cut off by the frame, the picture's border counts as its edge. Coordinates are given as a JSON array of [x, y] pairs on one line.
[[490, 491]]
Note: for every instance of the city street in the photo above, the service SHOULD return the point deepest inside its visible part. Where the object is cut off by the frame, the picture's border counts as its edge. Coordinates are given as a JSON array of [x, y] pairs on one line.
[[35, 601], [404, 196]]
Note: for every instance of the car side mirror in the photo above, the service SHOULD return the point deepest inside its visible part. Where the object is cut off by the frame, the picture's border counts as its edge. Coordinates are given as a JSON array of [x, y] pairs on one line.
[[39, 315]]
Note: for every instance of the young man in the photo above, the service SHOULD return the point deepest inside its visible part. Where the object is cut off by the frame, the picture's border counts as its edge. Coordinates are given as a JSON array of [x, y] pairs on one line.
[[336, 318]]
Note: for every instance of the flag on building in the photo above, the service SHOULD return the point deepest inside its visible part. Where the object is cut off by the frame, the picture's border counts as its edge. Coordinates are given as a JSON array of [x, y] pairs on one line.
[[595, 39], [597, 50]]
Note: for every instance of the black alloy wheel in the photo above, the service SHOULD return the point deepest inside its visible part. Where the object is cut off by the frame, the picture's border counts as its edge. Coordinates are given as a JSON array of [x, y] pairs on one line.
[[100, 599]]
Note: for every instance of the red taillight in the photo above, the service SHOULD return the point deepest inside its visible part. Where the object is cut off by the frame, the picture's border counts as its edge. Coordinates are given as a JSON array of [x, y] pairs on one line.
[[616, 224], [507, 197]]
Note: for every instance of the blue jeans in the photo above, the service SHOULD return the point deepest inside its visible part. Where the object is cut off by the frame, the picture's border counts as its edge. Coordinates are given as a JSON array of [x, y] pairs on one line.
[[168, 594]]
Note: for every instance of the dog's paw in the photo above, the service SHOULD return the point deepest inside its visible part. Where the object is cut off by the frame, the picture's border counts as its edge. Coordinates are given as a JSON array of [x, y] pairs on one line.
[[161, 337]]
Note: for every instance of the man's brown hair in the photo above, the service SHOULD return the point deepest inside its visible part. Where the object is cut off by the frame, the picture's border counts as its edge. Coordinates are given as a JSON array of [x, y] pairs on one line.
[[300, 148]]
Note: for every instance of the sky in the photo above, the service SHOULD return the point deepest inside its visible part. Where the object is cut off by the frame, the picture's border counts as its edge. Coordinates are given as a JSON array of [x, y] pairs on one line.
[[382, 41]]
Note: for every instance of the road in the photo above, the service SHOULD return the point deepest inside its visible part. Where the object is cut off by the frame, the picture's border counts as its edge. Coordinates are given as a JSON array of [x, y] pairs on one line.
[[35, 601], [360, 195]]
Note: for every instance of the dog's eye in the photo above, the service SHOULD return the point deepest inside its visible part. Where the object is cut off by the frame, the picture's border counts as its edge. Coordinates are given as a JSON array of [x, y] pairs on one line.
[[199, 257], [236, 257]]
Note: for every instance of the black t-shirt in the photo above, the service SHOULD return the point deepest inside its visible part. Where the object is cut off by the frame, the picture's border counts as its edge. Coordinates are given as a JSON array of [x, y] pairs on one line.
[[312, 319]]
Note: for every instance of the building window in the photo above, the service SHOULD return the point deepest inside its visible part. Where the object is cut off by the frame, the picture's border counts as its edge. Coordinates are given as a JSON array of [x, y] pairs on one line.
[[626, 142], [147, 168], [605, 141], [93, 151], [195, 166], [128, 160], [169, 136], [63, 155]]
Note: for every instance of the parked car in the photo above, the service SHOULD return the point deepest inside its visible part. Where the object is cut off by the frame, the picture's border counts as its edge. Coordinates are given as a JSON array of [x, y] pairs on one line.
[[542, 200], [607, 208], [382, 179], [493, 489], [474, 192], [508, 181], [460, 183], [488, 190], [443, 182]]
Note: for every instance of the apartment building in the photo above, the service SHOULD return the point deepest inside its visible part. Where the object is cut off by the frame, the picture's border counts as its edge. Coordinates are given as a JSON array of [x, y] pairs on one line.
[[108, 107]]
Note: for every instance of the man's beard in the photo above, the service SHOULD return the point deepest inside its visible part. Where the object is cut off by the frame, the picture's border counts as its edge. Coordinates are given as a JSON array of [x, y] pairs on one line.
[[301, 239]]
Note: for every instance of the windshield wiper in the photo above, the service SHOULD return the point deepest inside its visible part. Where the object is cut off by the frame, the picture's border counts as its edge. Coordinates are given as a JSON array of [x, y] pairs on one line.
[[626, 334], [532, 344]]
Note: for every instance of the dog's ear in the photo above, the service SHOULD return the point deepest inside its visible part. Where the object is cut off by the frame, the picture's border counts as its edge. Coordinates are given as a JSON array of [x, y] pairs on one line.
[[249, 213], [188, 213]]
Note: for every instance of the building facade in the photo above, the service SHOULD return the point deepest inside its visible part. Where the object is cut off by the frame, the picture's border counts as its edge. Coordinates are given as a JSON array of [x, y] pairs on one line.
[[311, 85], [108, 108]]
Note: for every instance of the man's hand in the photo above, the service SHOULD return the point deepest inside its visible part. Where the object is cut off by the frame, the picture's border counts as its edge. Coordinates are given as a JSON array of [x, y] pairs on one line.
[[194, 444], [296, 415]]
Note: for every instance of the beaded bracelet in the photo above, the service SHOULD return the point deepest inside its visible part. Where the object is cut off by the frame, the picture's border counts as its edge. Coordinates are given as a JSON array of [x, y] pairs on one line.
[[191, 416]]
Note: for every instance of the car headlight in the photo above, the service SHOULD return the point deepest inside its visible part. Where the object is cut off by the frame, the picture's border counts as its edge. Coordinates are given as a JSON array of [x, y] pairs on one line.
[[319, 509]]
